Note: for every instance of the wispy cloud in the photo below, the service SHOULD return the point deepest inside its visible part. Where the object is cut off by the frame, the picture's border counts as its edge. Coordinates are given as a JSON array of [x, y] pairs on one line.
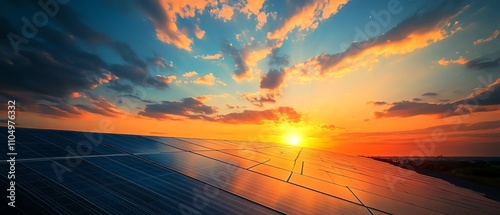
[[208, 79], [482, 100], [306, 16], [488, 39], [461, 60], [191, 108], [190, 74], [417, 31]]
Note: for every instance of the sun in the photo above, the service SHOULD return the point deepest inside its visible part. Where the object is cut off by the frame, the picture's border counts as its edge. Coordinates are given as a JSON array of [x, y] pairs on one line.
[[293, 139]]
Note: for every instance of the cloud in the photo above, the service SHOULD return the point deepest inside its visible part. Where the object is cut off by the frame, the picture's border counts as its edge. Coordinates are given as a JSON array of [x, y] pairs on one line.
[[490, 95], [445, 62], [417, 99], [430, 25], [378, 103], [189, 74], [166, 79], [234, 106], [488, 39], [483, 100], [278, 60], [208, 79], [161, 62], [50, 72], [329, 127], [252, 7], [101, 106], [430, 94], [258, 99], [198, 32], [306, 16], [140, 76], [58, 55], [208, 97], [225, 12], [212, 57], [187, 107], [128, 54], [482, 63], [56, 111], [191, 108], [261, 20], [271, 83], [462, 127], [246, 58], [135, 97], [242, 71], [118, 87], [92, 105], [259, 117], [163, 15], [407, 109], [273, 79]]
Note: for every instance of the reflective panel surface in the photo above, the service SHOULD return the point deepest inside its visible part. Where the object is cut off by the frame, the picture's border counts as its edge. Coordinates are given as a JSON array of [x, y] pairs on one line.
[[63, 172]]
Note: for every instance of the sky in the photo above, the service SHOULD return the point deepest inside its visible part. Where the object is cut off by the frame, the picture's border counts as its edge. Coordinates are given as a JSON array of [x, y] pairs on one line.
[[393, 77]]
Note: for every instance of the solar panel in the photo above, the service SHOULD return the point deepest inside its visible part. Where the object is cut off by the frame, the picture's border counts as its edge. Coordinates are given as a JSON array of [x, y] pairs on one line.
[[127, 174]]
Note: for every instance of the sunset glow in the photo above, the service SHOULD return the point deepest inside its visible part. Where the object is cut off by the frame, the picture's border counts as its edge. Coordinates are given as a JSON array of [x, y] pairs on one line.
[[357, 76]]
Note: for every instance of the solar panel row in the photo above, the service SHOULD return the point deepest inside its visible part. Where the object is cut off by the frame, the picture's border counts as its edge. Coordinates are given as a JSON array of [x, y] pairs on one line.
[[126, 174]]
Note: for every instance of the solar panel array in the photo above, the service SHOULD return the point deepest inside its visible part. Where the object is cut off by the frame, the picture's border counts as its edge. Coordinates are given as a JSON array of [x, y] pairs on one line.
[[66, 172]]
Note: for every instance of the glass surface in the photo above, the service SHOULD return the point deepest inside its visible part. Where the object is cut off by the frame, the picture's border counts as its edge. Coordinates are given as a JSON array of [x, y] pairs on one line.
[[263, 189], [271, 171], [135, 174]]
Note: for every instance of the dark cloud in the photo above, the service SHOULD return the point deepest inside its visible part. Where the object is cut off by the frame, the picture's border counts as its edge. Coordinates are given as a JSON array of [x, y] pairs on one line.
[[483, 100], [273, 79], [194, 109], [127, 54], [93, 105], [117, 86], [57, 111], [102, 107], [242, 69], [484, 97], [278, 60], [430, 94], [258, 99], [377, 103], [417, 99], [161, 62], [228, 106], [479, 126], [137, 98], [259, 117], [187, 107], [407, 109], [329, 127], [53, 66], [482, 63]]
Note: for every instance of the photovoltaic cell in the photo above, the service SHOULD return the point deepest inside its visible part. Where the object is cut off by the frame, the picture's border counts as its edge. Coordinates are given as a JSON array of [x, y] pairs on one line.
[[127, 174]]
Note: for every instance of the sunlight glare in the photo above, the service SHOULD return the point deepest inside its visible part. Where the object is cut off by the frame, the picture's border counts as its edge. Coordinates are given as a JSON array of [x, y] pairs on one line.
[[293, 139]]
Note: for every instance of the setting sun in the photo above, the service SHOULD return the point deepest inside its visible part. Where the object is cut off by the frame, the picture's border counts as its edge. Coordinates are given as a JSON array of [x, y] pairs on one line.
[[293, 139]]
